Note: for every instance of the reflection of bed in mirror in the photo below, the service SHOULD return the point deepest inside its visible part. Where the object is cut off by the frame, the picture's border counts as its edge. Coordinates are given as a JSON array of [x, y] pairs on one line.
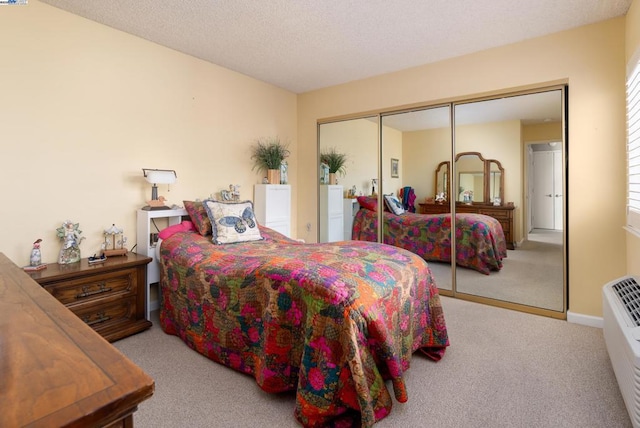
[[480, 242], [480, 179]]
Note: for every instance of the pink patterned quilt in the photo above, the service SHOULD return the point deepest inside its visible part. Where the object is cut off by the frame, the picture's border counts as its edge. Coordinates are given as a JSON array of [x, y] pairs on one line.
[[480, 241], [329, 321]]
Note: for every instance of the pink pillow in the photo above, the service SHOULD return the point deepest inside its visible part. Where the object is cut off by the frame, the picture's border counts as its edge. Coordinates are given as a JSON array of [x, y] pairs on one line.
[[368, 202], [185, 226]]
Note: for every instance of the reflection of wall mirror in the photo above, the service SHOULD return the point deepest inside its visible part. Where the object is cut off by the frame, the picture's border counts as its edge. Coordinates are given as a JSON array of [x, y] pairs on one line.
[[442, 179], [484, 140], [483, 178]]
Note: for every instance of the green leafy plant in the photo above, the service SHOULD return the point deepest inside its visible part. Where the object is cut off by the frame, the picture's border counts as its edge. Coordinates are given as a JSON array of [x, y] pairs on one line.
[[268, 153], [336, 161]]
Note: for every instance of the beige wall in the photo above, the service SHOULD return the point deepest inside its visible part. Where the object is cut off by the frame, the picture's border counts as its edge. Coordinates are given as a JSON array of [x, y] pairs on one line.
[[633, 50], [85, 107], [591, 60]]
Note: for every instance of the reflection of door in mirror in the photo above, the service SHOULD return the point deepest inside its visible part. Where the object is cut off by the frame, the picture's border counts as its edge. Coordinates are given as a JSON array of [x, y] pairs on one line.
[[358, 140], [501, 128]]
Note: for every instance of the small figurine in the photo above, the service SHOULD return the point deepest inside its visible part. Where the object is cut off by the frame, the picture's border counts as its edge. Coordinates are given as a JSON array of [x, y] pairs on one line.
[[36, 256], [155, 203], [235, 191], [440, 198], [70, 235], [233, 194]]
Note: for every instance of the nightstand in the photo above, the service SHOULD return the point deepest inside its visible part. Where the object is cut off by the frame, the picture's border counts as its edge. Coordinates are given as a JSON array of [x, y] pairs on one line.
[[146, 246], [110, 296]]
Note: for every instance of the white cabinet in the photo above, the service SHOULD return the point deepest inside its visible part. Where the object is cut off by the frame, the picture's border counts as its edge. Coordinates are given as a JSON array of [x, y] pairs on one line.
[[351, 207], [146, 244], [331, 213], [272, 206]]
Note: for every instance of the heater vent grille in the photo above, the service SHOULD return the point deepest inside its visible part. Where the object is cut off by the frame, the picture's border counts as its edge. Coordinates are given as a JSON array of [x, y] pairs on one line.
[[628, 291]]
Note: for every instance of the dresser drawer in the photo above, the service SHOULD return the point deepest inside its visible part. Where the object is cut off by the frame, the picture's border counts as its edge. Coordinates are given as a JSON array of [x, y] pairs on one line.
[[102, 315], [497, 214], [94, 287]]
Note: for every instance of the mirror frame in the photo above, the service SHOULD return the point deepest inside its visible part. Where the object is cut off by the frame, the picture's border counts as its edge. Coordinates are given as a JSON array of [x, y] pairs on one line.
[[487, 169]]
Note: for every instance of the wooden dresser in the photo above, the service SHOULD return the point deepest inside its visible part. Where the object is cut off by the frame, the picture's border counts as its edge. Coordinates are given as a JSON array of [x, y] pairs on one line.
[[110, 296], [55, 370], [502, 213]]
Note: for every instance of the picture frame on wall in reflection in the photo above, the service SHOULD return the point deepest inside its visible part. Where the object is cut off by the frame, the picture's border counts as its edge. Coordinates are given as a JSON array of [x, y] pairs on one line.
[[395, 167]]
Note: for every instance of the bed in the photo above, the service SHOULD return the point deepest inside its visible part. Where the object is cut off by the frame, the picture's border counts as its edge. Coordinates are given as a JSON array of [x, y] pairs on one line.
[[480, 241], [331, 322]]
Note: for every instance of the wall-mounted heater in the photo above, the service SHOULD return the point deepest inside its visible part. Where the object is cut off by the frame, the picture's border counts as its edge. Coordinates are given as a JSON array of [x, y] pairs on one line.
[[621, 315]]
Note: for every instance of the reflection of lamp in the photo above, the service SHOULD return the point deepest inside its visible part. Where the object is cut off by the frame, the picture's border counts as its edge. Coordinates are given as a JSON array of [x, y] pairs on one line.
[[374, 181], [155, 177]]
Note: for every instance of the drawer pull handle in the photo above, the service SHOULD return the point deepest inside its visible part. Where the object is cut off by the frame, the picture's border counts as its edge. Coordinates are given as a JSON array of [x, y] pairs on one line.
[[101, 317], [86, 290]]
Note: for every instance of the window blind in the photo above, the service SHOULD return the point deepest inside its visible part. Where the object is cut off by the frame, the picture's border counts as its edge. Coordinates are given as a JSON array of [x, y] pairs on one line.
[[633, 148]]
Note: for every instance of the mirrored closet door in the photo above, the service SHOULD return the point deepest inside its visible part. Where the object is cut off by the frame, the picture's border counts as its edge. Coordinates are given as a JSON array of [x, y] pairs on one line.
[[502, 158], [413, 144], [509, 166]]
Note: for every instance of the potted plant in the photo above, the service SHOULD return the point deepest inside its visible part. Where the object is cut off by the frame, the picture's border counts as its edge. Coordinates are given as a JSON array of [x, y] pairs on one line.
[[336, 162], [268, 154]]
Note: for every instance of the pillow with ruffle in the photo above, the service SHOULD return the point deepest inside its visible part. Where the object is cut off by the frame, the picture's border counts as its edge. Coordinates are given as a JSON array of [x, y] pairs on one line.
[[232, 222], [393, 204]]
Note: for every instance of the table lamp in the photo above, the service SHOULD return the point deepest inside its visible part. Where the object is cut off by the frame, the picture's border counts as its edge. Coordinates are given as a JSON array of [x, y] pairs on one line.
[[155, 177]]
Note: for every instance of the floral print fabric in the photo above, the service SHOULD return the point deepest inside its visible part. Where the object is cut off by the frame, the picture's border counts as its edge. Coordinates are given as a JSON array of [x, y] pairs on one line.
[[329, 321], [480, 241]]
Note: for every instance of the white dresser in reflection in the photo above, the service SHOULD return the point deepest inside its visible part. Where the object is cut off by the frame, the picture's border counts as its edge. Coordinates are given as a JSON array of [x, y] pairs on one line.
[[350, 208], [331, 215]]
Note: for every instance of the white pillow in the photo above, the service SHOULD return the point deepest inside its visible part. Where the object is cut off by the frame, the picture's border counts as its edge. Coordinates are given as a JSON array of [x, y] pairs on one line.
[[394, 204], [232, 222]]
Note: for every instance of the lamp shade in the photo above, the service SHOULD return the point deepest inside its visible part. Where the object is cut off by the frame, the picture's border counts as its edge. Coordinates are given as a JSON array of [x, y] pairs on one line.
[[160, 176]]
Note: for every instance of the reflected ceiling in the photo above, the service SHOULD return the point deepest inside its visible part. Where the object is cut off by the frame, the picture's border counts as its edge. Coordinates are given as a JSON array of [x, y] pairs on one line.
[[534, 108]]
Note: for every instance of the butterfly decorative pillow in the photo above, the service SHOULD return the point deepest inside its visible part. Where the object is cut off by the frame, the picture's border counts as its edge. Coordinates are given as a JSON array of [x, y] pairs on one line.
[[394, 204], [232, 221]]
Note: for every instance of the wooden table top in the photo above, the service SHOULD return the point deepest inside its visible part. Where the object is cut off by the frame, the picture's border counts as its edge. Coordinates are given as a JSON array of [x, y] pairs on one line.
[[55, 370]]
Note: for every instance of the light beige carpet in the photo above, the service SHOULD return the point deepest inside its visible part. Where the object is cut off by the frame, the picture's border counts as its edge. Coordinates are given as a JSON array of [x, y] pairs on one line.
[[503, 369], [531, 275]]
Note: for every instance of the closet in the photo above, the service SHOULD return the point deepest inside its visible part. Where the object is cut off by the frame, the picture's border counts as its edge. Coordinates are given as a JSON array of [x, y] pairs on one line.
[[401, 147]]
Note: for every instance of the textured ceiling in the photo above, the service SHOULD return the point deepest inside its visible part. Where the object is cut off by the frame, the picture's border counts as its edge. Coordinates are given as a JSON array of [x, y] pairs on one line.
[[302, 45]]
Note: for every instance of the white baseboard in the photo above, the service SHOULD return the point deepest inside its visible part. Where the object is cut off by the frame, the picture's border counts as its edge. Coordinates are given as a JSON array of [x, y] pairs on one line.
[[588, 320]]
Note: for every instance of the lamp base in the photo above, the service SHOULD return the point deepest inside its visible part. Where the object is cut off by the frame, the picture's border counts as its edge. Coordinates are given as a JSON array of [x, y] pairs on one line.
[[150, 208]]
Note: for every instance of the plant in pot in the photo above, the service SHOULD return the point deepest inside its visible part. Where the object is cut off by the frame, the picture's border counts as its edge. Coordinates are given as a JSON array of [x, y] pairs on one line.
[[268, 154], [336, 161]]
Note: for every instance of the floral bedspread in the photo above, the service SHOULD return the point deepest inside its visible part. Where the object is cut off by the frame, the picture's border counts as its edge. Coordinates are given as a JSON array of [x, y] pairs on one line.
[[329, 321], [480, 241]]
